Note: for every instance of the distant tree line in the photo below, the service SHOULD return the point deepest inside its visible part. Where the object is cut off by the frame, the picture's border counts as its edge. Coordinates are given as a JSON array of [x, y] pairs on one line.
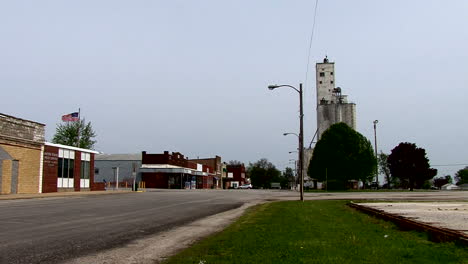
[[410, 167], [343, 156], [262, 173]]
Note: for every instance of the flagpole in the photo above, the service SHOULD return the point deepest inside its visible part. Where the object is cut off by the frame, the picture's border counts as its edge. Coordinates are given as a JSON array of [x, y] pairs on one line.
[[78, 128]]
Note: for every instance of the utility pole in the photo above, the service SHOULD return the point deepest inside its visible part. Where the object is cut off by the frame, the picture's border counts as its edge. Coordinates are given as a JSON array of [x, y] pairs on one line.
[[301, 142], [134, 176], [301, 133], [376, 157]]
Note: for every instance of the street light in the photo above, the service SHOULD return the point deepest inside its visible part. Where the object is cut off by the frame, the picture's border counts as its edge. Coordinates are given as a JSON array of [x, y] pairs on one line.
[[285, 134], [375, 144], [301, 132]]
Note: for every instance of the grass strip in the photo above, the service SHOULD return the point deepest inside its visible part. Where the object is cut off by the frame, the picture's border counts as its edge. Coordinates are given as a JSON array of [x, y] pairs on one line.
[[316, 232]]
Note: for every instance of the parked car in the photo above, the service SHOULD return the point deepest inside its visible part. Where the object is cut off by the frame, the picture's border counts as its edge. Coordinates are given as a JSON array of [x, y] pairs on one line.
[[246, 186]]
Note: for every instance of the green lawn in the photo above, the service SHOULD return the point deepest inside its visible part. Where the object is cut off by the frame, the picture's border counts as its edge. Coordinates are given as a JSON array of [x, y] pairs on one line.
[[317, 232]]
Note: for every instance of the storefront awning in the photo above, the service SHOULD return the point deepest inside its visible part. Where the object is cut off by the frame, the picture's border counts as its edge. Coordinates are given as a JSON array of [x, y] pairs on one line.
[[166, 170], [178, 170]]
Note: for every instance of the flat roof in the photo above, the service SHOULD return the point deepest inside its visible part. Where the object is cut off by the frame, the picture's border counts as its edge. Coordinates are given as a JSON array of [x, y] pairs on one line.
[[71, 148], [131, 156]]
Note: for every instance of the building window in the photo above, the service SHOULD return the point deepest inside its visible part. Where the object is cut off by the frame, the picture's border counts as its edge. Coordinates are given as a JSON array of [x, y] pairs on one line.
[[96, 170], [322, 74], [66, 165], [320, 82], [331, 73], [85, 170], [331, 82]]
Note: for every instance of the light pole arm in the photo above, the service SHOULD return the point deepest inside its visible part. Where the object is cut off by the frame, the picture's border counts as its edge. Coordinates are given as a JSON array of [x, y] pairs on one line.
[[271, 87], [285, 134]]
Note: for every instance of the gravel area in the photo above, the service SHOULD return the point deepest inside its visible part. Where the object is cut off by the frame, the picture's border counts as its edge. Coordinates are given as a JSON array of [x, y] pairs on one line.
[[447, 215]]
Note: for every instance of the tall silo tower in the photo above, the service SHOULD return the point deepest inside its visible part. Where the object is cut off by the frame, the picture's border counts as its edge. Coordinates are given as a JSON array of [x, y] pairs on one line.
[[332, 106]]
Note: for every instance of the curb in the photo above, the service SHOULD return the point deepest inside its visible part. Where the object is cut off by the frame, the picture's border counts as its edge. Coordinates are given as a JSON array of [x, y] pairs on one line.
[[436, 234], [57, 194]]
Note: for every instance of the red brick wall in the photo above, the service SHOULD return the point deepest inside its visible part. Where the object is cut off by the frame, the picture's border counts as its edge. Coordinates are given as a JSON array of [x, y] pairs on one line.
[[192, 165], [97, 186], [176, 159], [237, 171], [204, 182], [50, 169], [91, 173], [155, 180], [77, 171], [199, 182], [213, 163], [154, 158]]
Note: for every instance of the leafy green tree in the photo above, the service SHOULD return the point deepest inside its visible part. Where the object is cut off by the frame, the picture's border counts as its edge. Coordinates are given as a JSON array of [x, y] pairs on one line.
[[410, 165], [67, 134], [262, 173], [384, 169], [342, 154], [462, 176]]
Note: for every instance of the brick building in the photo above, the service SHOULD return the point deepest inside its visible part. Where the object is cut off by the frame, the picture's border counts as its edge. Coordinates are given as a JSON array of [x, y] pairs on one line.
[[213, 163], [235, 176], [174, 171], [21, 145], [67, 168]]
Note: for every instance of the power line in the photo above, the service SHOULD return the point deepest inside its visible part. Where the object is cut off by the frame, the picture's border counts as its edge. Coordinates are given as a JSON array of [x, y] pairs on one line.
[[310, 47], [310, 42]]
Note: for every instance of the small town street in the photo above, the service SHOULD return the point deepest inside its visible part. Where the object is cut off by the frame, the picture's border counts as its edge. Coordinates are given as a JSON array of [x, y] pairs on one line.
[[58, 229]]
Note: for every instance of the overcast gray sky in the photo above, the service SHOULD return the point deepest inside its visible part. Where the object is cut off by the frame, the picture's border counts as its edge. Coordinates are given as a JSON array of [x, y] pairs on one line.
[[192, 76]]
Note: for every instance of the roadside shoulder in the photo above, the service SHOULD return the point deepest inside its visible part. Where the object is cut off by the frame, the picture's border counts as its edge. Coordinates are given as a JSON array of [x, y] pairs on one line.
[[165, 244]]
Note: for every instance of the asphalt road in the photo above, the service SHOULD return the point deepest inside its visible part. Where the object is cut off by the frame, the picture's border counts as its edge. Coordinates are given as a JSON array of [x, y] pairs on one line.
[[51, 230]]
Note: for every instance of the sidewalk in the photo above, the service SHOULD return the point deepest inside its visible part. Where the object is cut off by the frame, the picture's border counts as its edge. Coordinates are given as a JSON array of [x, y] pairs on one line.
[[59, 194]]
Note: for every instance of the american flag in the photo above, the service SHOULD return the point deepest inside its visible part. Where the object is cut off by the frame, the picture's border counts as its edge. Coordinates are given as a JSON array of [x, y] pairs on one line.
[[73, 117]]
